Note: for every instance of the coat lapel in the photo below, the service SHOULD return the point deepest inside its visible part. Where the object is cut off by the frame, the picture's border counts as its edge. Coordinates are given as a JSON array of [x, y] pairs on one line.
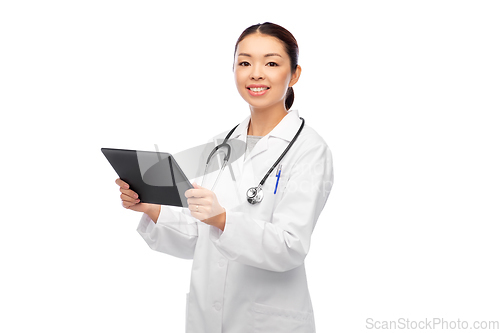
[[260, 147]]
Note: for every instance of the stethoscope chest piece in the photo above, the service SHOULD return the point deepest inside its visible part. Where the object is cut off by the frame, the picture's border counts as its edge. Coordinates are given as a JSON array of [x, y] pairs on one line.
[[255, 194]]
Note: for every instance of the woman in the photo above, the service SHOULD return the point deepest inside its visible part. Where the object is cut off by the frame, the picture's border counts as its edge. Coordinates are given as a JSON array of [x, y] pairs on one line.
[[248, 270]]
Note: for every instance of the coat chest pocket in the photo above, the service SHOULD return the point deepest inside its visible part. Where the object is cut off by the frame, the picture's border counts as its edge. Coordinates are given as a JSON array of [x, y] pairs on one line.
[[271, 199], [271, 319]]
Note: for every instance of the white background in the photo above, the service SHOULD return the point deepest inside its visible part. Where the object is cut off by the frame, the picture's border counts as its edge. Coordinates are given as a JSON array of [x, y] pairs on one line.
[[406, 94]]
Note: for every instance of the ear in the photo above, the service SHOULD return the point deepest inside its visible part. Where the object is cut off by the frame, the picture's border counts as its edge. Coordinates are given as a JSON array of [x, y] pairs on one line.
[[295, 76]]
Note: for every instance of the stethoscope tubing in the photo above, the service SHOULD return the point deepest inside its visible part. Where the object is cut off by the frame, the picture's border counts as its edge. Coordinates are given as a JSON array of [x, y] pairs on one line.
[[258, 189], [283, 154]]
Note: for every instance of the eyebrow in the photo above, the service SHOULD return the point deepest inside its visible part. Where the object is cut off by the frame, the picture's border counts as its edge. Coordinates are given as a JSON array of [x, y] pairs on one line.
[[266, 55]]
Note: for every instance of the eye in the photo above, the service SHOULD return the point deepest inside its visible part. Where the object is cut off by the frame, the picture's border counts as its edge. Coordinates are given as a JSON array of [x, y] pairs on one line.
[[244, 63], [272, 64]]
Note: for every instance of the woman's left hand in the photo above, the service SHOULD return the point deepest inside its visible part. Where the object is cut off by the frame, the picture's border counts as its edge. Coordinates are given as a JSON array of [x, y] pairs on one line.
[[204, 206]]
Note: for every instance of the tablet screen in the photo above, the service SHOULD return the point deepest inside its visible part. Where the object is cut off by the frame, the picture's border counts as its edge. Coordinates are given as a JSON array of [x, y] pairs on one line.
[[154, 176]]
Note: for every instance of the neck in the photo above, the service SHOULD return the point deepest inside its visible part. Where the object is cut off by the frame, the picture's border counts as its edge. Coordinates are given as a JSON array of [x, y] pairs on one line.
[[262, 121]]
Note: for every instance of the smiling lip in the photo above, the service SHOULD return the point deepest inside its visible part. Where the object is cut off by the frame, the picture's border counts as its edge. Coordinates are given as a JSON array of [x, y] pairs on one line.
[[257, 89]]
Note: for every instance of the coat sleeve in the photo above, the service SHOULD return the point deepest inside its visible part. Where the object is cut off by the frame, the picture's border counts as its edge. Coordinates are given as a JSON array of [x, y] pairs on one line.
[[283, 243], [175, 232]]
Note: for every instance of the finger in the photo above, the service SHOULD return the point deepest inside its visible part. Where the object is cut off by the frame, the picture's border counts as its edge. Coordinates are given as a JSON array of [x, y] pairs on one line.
[[130, 193], [188, 193], [195, 193], [196, 201], [128, 204], [121, 183], [195, 207], [197, 214], [126, 198]]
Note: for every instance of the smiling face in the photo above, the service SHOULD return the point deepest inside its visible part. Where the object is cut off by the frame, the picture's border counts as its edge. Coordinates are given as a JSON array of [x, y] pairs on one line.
[[262, 71]]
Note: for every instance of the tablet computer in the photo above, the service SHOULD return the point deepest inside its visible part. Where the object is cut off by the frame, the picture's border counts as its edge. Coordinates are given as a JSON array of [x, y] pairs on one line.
[[154, 176]]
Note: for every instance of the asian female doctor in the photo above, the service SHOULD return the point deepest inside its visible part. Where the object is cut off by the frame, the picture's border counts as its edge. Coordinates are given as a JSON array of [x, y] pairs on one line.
[[248, 246]]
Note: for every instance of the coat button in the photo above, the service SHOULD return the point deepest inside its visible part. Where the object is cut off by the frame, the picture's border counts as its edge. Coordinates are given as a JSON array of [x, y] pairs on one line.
[[222, 262], [217, 306]]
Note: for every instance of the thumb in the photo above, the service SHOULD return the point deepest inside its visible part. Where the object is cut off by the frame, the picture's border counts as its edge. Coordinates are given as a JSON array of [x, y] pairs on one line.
[[196, 185]]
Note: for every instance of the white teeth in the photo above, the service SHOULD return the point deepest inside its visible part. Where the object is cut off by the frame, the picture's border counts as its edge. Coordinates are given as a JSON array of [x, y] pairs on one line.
[[258, 89]]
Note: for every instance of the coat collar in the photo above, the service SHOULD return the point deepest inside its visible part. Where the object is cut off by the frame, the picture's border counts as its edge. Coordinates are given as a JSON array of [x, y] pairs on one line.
[[286, 128]]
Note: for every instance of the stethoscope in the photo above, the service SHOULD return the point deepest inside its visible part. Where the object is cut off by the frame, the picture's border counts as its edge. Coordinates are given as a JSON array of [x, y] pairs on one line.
[[254, 194]]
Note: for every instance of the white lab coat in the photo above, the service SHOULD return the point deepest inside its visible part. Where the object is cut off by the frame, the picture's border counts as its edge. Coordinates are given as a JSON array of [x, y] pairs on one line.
[[251, 276]]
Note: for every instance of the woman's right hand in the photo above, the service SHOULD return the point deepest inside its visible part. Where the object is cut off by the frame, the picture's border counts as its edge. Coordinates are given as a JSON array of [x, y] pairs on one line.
[[130, 200]]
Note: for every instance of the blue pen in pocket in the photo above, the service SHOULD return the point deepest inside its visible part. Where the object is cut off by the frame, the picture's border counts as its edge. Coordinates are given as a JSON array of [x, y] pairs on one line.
[[278, 174]]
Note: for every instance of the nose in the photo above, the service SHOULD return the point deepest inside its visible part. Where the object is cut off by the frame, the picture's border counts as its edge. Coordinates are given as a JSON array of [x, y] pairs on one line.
[[256, 73]]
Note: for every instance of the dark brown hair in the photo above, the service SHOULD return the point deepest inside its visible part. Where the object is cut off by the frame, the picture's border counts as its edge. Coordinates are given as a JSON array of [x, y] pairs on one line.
[[289, 42]]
